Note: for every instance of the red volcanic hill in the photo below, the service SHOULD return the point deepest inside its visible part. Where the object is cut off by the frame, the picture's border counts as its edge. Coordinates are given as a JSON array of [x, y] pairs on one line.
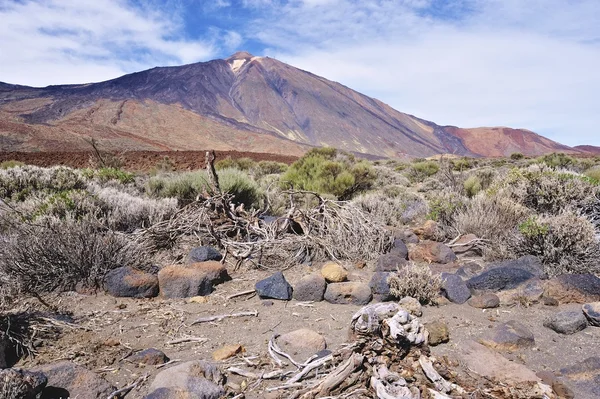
[[247, 103], [588, 149]]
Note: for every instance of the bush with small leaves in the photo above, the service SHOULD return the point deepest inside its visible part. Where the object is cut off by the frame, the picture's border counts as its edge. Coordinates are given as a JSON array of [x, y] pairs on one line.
[[20, 182], [472, 186], [10, 164], [416, 281], [515, 156], [393, 206], [264, 168], [418, 171], [245, 164], [557, 160], [593, 174]]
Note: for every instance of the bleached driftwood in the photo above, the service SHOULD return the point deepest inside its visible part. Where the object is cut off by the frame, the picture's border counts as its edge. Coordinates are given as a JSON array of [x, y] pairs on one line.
[[224, 316]]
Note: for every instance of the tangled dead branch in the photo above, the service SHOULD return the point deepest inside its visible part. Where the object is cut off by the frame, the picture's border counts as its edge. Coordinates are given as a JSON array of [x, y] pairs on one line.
[[330, 230]]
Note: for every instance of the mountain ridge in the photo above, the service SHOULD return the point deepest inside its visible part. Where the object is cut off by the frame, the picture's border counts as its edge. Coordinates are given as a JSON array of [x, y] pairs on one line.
[[243, 101]]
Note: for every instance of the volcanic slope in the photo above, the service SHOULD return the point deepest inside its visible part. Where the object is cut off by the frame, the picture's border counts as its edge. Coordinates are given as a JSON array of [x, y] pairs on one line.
[[248, 103]]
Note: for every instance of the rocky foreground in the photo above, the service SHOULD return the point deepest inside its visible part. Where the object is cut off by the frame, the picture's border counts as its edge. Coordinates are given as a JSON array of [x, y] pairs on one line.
[[205, 330]]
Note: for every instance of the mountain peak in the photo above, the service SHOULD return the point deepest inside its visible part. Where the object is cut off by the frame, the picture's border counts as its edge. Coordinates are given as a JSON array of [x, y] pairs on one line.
[[240, 55]]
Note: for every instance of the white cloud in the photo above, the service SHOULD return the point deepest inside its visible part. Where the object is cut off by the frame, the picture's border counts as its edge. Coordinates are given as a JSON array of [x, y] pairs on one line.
[[474, 63], [71, 41]]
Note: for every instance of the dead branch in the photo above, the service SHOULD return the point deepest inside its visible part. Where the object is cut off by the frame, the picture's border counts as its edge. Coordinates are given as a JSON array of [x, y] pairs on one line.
[[199, 340], [224, 316], [247, 292], [120, 393]]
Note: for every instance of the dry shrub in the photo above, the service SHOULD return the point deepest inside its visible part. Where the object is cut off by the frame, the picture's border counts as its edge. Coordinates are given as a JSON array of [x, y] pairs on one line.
[[565, 243], [416, 281], [443, 208], [386, 176], [58, 254], [19, 182], [393, 206]]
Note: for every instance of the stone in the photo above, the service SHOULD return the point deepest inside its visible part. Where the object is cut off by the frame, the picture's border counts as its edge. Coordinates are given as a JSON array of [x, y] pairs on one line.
[[407, 236], [567, 322], [431, 252], [227, 351], [498, 279], [203, 254], [549, 301], [428, 230], [197, 299], [400, 248], [148, 357], [390, 262], [67, 379], [528, 263], [438, 332], [485, 301], [196, 379], [21, 384], [310, 288], [333, 272], [274, 287], [412, 305], [302, 343], [531, 291], [465, 246], [592, 312], [196, 279], [469, 269], [380, 288], [454, 288], [491, 364], [354, 293], [573, 288], [130, 282], [585, 375], [510, 336]]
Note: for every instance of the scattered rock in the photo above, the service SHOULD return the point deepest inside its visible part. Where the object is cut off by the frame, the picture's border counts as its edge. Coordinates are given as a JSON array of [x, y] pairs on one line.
[[465, 245], [302, 343], [455, 288], [527, 293], [488, 363], [390, 262], [407, 236], [149, 357], [510, 336], [274, 287], [67, 379], [266, 304], [585, 375], [203, 254], [399, 247], [549, 301], [438, 332], [469, 269], [499, 278], [196, 279], [227, 351], [412, 305], [196, 379], [310, 288], [485, 301], [348, 293], [528, 263], [333, 272], [428, 230], [130, 282], [380, 288], [562, 390], [431, 252], [574, 288], [567, 322], [21, 384], [592, 312]]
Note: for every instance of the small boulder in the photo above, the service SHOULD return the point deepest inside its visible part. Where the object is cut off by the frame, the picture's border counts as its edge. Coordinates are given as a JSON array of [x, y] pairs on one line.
[[333, 272], [412, 305], [428, 230], [485, 301], [527, 293], [510, 336], [274, 287], [585, 375], [129, 282], [469, 269], [380, 288], [67, 379], [465, 245], [390, 262], [549, 301], [574, 288], [148, 357], [498, 279], [400, 248], [21, 384], [227, 351], [196, 279], [195, 379], [203, 254], [348, 293], [567, 322], [529, 263], [407, 236], [431, 252], [438, 332], [310, 288], [302, 343], [592, 312], [454, 288]]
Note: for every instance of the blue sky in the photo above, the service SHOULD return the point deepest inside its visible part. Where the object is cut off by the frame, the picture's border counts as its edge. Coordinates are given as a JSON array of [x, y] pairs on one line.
[[520, 63]]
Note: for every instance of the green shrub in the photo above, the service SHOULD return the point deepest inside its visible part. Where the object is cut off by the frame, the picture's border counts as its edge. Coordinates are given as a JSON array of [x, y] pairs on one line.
[[20, 182], [107, 174], [244, 190], [557, 160], [594, 174], [444, 206], [245, 164], [472, 186], [462, 164], [326, 171], [10, 164], [515, 156], [270, 168], [418, 171]]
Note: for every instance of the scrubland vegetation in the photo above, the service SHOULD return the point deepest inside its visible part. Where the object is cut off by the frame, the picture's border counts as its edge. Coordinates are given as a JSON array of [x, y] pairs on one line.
[[61, 227]]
